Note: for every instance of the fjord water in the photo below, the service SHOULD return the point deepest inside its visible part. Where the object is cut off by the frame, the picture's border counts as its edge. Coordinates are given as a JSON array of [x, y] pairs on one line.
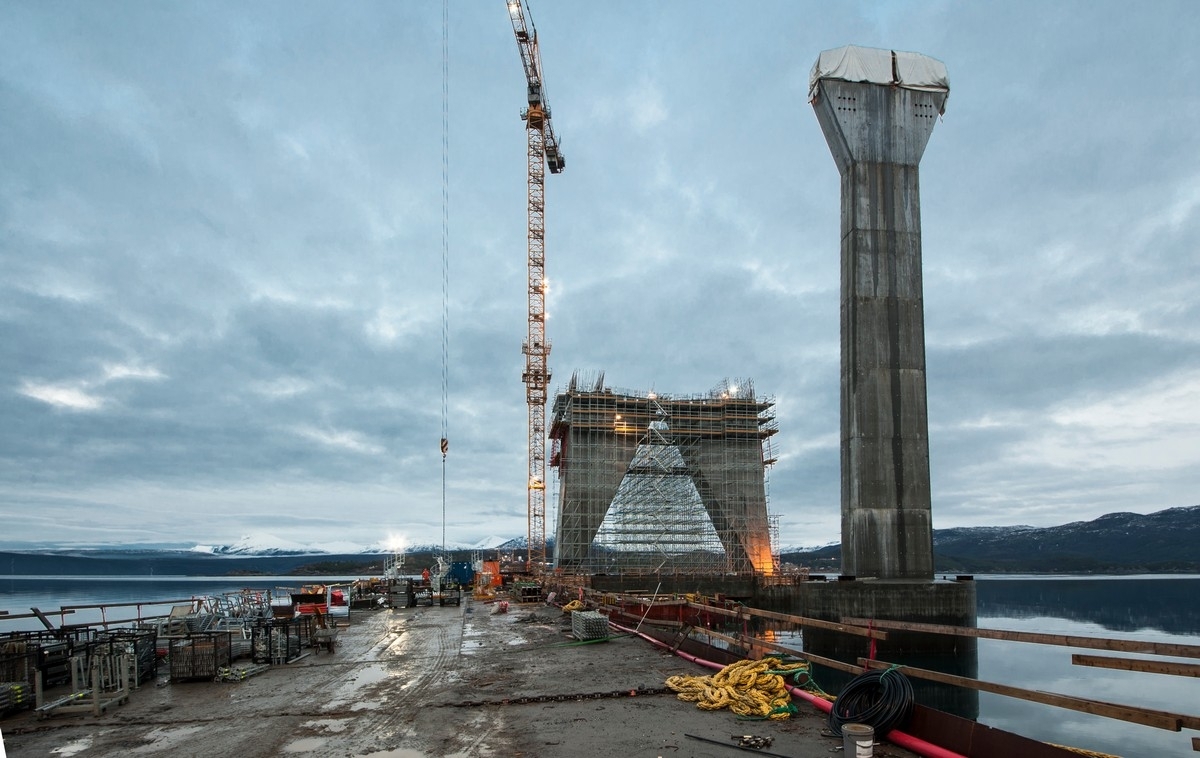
[[1150, 608], [48, 593], [1154, 608]]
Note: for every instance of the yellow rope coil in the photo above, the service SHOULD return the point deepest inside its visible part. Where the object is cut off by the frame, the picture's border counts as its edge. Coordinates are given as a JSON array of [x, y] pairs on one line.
[[748, 688], [574, 605]]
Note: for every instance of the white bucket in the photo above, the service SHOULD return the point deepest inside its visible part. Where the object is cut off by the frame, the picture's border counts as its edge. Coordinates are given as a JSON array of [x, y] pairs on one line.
[[858, 740]]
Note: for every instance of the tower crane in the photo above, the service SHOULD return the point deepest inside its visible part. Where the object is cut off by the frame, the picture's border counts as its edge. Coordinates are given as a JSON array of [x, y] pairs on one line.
[[543, 153]]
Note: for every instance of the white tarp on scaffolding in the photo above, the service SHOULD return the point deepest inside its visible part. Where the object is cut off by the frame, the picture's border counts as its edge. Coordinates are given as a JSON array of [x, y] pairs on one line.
[[876, 66]]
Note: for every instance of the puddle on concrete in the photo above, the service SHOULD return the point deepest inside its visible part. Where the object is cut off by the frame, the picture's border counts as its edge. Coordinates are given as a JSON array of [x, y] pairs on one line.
[[471, 641], [394, 639], [372, 674], [333, 726], [305, 745], [350, 691], [73, 747], [404, 752], [164, 739]]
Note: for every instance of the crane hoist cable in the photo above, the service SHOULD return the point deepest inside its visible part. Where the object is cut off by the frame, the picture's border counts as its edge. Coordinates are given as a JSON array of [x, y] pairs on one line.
[[445, 443]]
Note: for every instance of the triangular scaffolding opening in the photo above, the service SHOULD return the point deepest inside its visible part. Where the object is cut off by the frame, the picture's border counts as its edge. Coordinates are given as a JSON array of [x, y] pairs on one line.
[[657, 520], [670, 484]]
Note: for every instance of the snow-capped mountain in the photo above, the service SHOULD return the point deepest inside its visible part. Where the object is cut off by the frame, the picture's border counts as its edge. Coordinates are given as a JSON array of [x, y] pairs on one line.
[[806, 548], [269, 544]]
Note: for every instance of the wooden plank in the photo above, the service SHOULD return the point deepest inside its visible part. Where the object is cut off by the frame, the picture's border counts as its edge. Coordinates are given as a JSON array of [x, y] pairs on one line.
[[602, 600], [801, 621], [849, 668], [130, 604], [639, 600], [681, 638], [112, 622], [746, 642], [1172, 722], [42, 617], [727, 638], [739, 613], [1137, 664], [1064, 640], [6, 616]]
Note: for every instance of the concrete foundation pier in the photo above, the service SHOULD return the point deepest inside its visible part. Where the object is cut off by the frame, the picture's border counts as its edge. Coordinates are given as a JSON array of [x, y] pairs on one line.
[[877, 109]]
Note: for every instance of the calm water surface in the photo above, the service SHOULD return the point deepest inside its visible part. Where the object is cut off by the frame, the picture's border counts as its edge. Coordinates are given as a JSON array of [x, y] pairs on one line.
[[1156, 608], [20, 593]]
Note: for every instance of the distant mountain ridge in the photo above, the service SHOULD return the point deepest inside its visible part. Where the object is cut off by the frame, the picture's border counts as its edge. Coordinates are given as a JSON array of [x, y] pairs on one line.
[[1167, 541], [247, 557], [1163, 542], [266, 544]]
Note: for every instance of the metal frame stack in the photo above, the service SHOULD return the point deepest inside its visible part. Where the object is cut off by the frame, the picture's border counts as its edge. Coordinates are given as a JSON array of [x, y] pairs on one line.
[[200, 656]]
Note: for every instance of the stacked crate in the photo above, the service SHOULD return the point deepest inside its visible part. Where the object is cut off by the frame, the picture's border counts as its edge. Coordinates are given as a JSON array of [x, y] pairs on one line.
[[277, 641], [138, 644], [200, 656]]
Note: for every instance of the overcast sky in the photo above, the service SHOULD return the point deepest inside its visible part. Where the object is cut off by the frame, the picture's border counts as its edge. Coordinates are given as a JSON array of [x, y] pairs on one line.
[[221, 255]]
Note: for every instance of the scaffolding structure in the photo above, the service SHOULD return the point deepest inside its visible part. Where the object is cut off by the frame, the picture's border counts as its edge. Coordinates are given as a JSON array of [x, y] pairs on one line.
[[662, 483]]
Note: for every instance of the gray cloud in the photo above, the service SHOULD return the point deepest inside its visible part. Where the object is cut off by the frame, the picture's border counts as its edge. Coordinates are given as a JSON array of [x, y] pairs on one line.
[[220, 232]]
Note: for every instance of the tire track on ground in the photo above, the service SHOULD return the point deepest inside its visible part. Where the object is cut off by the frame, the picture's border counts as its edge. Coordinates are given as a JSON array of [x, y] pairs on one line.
[[423, 663]]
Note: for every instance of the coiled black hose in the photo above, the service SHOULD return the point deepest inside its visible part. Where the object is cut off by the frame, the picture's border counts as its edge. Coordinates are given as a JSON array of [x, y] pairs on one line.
[[881, 699]]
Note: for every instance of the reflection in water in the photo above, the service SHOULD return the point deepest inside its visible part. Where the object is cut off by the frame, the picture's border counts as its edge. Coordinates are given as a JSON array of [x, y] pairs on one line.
[[1119, 604], [1161, 609], [1154, 609]]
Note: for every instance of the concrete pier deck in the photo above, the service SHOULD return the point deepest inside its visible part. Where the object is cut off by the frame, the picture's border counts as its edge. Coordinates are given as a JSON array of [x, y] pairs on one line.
[[384, 693]]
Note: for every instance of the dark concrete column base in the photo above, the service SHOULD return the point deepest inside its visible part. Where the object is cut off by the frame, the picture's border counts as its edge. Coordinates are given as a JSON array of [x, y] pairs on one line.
[[929, 602]]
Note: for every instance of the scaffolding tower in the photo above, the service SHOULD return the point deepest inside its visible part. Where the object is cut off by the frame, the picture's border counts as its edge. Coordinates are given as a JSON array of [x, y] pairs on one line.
[[662, 483]]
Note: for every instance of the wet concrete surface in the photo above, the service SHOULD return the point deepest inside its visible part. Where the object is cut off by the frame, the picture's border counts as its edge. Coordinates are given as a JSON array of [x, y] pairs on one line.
[[395, 688]]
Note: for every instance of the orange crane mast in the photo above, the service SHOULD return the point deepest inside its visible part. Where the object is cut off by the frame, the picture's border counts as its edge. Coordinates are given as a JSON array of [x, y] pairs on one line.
[[543, 153]]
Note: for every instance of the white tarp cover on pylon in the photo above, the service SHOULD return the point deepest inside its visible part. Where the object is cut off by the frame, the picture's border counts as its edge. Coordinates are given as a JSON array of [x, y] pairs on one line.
[[876, 66]]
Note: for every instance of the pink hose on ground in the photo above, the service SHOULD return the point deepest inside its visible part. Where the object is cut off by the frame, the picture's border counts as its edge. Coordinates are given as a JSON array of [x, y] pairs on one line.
[[896, 737]]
